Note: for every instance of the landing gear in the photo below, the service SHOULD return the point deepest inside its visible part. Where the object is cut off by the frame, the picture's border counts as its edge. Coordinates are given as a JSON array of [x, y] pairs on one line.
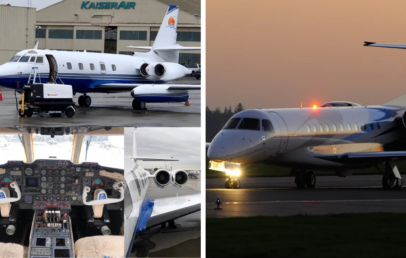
[[391, 179], [138, 105], [307, 178], [232, 183], [85, 100]]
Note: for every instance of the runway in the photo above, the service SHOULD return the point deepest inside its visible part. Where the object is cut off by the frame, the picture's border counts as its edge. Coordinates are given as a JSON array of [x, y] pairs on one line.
[[184, 241], [278, 196], [111, 110]]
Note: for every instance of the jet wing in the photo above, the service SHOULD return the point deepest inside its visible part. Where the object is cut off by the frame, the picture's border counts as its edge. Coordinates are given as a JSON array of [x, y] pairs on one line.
[[124, 87], [364, 156], [171, 208], [166, 48], [385, 45]]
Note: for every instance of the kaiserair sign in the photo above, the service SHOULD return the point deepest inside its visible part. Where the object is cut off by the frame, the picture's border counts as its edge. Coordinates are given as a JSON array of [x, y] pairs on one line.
[[107, 5]]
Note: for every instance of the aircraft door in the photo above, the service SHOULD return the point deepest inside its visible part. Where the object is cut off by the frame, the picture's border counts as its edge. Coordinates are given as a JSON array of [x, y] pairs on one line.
[[53, 69], [281, 131]]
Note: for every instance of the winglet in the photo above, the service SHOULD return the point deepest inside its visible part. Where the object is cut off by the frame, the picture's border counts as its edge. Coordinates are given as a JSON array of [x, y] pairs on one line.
[[36, 45], [367, 43]]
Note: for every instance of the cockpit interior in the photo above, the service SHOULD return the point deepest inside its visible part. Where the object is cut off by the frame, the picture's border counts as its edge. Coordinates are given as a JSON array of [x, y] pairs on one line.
[[59, 207]]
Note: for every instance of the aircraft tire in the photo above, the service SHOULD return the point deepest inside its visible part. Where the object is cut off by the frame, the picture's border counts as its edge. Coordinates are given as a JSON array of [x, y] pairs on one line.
[[227, 183], [138, 105], [398, 184], [19, 113], [236, 184], [310, 179], [81, 101], [29, 112], [300, 181], [385, 182], [88, 101]]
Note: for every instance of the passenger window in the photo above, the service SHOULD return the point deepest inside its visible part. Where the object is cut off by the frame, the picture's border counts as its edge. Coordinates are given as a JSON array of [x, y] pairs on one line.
[[92, 67], [113, 67], [232, 123], [321, 128], [69, 65], [327, 128], [334, 128], [80, 66], [102, 67], [249, 124], [308, 128], [24, 59], [267, 126], [32, 60], [341, 128], [355, 127], [314, 128], [378, 125], [372, 126], [40, 60], [349, 127]]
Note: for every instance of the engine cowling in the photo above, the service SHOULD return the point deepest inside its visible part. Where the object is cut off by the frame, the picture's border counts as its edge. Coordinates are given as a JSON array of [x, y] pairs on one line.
[[179, 178], [147, 70], [170, 71], [162, 178]]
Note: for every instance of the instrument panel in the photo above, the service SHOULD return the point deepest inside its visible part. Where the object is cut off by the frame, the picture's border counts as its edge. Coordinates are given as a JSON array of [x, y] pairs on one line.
[[58, 180]]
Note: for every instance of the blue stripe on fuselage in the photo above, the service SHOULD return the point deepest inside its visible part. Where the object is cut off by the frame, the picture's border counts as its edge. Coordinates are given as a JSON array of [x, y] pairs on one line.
[[145, 213]]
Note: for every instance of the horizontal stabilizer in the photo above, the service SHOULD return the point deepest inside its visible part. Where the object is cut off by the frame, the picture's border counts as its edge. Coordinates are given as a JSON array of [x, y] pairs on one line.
[[399, 101], [153, 159], [384, 45], [167, 48]]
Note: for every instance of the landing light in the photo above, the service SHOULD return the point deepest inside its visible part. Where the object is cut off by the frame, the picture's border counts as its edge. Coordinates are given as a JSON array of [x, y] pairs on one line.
[[314, 106], [235, 172]]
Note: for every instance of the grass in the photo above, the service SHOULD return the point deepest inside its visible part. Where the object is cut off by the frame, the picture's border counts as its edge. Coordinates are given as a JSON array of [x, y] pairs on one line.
[[341, 235]]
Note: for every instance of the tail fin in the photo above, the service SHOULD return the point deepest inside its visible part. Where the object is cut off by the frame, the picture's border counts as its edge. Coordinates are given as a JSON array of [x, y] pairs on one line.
[[167, 32]]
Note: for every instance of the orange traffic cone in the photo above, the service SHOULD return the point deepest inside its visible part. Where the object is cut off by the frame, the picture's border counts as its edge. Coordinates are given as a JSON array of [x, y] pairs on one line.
[[1, 96], [186, 103]]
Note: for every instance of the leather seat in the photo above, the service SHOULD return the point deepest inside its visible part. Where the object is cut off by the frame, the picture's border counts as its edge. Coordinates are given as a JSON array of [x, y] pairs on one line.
[[100, 247], [11, 250]]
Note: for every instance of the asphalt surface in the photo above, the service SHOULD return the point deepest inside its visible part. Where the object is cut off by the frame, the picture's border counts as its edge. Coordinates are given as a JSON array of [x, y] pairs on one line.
[[183, 241], [278, 196], [111, 110]]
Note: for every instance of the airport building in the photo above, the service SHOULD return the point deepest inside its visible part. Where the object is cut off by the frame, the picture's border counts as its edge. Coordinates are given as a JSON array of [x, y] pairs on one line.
[[107, 27]]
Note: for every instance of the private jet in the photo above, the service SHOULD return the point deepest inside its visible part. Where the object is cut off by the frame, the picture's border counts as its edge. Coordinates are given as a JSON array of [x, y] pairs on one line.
[[142, 212], [144, 75], [52, 207]]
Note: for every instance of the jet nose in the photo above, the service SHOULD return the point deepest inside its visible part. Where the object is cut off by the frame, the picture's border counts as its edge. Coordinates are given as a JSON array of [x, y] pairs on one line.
[[225, 145]]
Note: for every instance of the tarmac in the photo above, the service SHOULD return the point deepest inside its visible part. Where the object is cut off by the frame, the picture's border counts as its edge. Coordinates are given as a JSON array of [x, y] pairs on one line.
[[183, 241], [111, 110], [278, 196]]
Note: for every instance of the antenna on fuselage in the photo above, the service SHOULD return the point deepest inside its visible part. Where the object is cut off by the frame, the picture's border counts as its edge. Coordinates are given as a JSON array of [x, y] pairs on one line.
[[36, 45]]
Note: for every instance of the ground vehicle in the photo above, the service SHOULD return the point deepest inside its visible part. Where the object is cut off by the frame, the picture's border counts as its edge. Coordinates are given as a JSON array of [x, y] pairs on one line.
[[194, 68], [198, 74]]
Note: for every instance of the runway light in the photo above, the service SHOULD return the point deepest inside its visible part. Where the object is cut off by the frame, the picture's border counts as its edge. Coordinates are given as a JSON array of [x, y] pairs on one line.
[[235, 172], [314, 106]]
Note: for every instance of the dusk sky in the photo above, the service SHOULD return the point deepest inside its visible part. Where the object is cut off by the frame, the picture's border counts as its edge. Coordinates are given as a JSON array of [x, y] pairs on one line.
[[277, 54]]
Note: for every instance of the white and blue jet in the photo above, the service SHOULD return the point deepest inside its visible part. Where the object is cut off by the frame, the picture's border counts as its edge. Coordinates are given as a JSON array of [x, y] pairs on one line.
[[143, 74]]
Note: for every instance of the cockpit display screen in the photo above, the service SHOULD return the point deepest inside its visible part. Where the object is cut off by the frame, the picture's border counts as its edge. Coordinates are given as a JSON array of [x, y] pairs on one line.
[[31, 181]]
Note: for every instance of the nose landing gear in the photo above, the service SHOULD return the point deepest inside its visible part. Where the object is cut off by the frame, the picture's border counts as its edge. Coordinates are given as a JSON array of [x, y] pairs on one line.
[[232, 183], [391, 178]]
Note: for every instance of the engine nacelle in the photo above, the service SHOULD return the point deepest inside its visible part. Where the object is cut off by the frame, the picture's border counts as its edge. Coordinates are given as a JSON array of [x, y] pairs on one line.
[[170, 71], [179, 178], [162, 178], [147, 70]]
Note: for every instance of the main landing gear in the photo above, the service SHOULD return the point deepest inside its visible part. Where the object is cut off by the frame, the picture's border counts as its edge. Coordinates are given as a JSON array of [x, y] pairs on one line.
[[139, 105], [391, 178], [305, 178], [85, 100], [232, 183]]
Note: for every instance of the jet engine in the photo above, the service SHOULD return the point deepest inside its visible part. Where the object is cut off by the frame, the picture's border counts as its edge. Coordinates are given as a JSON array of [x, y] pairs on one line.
[[179, 178], [170, 71], [162, 178], [147, 70]]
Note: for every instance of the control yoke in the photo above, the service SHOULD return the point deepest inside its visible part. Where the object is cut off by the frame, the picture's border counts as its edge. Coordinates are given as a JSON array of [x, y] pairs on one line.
[[5, 194], [101, 197]]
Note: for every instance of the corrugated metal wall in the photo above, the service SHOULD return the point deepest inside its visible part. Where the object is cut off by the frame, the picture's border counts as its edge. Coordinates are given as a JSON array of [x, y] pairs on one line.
[[17, 30]]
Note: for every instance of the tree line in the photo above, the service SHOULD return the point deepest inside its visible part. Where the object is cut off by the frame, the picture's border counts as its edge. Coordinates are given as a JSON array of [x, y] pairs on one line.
[[216, 119]]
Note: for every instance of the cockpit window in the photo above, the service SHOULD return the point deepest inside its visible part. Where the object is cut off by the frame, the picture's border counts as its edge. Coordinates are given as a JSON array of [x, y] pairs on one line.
[[40, 60], [24, 59], [267, 126], [249, 124], [32, 60], [232, 123], [15, 58]]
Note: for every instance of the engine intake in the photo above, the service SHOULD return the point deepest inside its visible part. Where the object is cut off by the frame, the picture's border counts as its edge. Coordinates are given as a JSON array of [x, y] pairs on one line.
[[179, 178], [162, 178], [143, 70]]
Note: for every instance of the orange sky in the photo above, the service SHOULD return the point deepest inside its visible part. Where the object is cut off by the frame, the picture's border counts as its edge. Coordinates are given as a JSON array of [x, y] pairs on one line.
[[279, 53]]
